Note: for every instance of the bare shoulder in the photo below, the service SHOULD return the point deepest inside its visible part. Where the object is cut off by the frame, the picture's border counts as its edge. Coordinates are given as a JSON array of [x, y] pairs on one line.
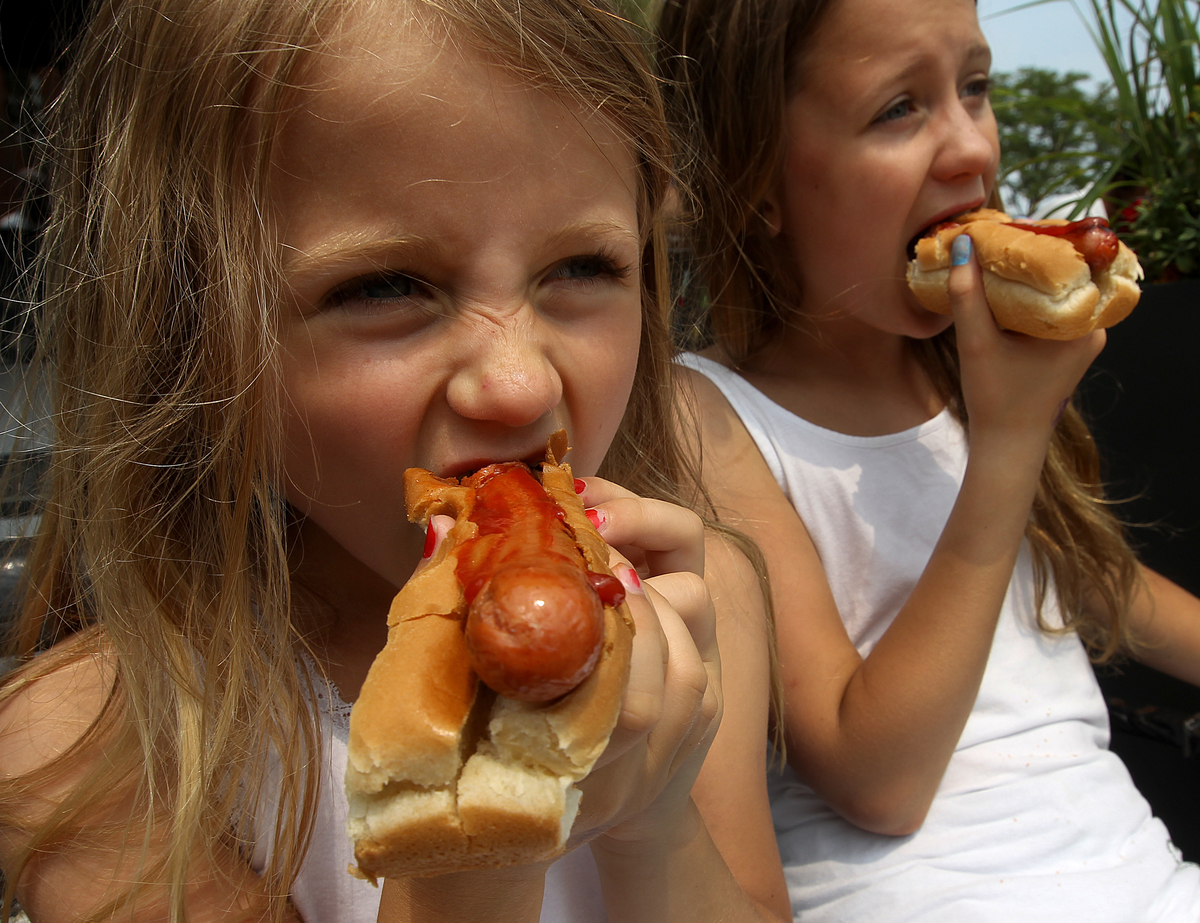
[[47, 706], [710, 410], [726, 451]]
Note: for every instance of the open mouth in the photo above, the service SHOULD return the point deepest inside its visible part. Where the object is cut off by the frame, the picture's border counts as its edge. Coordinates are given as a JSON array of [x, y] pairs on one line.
[[533, 461], [929, 231]]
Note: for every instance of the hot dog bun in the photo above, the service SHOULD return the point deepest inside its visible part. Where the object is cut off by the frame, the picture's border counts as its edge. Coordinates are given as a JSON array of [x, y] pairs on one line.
[[444, 774], [1035, 283]]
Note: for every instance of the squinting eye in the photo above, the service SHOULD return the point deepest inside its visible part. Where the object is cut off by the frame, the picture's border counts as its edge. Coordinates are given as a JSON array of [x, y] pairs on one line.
[[388, 287], [897, 110], [588, 267], [980, 87]]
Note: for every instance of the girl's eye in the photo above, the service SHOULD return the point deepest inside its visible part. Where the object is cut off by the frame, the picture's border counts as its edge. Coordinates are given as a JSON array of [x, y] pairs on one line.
[[587, 268], [897, 110], [381, 289], [981, 86]]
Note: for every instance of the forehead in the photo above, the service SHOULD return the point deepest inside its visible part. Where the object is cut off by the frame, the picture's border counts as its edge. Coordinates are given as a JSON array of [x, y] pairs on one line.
[[386, 68], [866, 35]]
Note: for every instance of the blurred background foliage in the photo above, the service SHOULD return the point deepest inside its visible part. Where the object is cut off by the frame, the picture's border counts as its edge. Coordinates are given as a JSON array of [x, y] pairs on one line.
[[1056, 135]]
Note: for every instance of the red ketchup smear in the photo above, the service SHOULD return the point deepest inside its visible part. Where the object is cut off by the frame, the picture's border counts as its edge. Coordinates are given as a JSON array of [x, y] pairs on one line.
[[1096, 242], [523, 645]]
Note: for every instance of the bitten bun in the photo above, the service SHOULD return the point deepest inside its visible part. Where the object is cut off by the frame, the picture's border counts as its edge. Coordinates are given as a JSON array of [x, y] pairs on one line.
[[1035, 283], [444, 774]]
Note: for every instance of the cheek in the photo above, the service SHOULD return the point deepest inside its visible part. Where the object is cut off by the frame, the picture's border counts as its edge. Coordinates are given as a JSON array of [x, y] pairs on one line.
[[343, 424], [602, 374]]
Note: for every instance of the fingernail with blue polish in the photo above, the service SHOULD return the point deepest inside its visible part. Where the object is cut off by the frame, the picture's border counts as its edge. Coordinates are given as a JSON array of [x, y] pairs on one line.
[[960, 250]]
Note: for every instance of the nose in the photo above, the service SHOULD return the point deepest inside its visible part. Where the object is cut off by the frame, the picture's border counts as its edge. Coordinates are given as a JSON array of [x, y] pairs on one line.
[[505, 373], [970, 147]]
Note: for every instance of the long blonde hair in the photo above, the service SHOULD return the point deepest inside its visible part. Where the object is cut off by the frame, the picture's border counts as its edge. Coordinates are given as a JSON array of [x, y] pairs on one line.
[[729, 67], [163, 534]]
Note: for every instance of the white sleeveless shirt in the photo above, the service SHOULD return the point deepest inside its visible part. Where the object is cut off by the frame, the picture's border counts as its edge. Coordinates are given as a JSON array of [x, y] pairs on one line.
[[1035, 819]]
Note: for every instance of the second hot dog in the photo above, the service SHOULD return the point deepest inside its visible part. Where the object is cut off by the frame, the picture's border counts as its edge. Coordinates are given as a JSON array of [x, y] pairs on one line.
[[1052, 279]]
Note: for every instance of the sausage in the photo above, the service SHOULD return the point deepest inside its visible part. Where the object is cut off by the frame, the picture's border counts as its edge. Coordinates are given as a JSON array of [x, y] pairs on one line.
[[535, 620], [1095, 241]]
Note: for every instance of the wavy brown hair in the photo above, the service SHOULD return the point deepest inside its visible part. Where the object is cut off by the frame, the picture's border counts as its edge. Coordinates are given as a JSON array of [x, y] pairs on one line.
[[162, 543], [729, 67]]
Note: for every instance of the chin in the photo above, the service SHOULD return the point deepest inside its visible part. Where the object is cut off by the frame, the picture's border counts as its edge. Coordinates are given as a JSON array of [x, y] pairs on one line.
[[921, 324]]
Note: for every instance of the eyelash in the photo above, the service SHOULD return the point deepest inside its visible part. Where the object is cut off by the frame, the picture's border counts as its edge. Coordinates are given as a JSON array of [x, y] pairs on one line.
[[601, 264], [983, 85], [357, 288], [980, 86], [604, 262], [883, 116]]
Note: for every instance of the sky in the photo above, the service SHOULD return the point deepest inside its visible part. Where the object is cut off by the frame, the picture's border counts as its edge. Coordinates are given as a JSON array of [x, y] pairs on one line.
[[1052, 36]]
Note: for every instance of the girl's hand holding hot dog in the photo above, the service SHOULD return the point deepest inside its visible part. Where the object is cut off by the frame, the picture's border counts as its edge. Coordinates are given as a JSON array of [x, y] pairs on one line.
[[636, 800]]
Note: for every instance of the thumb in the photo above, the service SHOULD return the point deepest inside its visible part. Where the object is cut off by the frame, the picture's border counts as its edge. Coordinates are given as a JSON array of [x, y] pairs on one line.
[[435, 533], [968, 302]]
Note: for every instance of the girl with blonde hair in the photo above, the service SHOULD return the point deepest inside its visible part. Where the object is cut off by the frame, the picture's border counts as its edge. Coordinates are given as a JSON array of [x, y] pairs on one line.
[[299, 246], [940, 550]]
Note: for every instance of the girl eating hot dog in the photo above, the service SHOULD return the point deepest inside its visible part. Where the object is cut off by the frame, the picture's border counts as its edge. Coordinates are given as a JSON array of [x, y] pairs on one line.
[[941, 552], [298, 248]]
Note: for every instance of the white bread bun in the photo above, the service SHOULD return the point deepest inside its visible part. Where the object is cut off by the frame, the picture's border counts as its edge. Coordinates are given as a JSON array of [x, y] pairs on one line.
[[1035, 283], [443, 774]]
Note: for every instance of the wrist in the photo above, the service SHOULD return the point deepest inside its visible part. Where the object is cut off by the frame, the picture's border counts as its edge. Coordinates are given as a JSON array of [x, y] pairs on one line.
[[636, 842], [507, 895]]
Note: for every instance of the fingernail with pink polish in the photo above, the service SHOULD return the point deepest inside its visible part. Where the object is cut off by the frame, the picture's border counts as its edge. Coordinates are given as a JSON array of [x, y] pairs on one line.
[[580, 485], [430, 541], [597, 518], [629, 579]]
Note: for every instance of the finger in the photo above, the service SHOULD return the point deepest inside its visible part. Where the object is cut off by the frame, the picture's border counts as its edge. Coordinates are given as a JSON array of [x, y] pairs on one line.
[[669, 537], [641, 705], [968, 302], [689, 598], [691, 693], [435, 534]]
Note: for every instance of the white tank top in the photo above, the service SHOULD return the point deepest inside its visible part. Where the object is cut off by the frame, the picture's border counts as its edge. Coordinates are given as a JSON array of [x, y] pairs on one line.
[[1035, 819]]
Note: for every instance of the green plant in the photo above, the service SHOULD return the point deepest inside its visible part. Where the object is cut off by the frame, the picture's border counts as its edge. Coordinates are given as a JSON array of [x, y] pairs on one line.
[[1054, 135], [1152, 52]]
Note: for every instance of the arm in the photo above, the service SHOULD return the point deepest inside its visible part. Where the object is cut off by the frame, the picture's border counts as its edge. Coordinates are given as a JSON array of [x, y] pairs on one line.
[[721, 852], [706, 842], [1165, 621], [45, 719], [873, 736]]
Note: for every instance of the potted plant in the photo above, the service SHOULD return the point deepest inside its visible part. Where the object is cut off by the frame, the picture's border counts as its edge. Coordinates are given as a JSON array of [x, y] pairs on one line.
[[1152, 185]]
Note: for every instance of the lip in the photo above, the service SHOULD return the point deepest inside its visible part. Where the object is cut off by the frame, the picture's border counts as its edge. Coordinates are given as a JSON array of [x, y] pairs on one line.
[[944, 215], [466, 466]]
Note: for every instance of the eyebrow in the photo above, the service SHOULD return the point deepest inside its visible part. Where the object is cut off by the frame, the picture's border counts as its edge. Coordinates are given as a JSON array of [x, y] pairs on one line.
[[351, 248], [597, 228], [980, 50]]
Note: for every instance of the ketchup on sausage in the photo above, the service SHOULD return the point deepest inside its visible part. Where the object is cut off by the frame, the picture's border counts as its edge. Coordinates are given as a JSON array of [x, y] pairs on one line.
[[1096, 242], [535, 621]]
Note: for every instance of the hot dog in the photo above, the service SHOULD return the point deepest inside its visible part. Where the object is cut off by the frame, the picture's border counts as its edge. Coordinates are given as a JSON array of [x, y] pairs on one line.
[[1053, 279], [446, 772]]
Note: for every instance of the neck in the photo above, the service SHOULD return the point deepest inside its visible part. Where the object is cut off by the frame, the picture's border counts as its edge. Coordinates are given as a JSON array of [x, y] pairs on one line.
[[340, 605], [846, 376]]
